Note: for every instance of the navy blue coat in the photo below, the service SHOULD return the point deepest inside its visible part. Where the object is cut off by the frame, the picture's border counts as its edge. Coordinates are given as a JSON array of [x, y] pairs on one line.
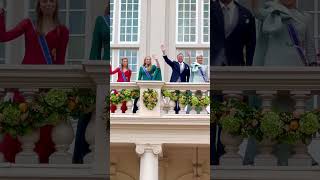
[[184, 76]]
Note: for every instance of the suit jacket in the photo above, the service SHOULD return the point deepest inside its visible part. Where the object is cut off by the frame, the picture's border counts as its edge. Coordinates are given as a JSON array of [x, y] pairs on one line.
[[184, 76], [243, 36]]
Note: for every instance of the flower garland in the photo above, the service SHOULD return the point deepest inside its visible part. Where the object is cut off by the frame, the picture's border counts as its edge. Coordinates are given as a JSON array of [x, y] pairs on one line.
[[239, 119], [123, 95], [49, 108], [150, 98], [19, 119], [186, 98]]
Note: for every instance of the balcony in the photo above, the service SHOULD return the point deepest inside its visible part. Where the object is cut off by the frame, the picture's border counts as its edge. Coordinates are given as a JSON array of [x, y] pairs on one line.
[[300, 87], [29, 79], [159, 140]]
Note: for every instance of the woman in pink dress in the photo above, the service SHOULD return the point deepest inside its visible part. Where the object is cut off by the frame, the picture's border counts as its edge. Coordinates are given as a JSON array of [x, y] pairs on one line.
[[45, 43]]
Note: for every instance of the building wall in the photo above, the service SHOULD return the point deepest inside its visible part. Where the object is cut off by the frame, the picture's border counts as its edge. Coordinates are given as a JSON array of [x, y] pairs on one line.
[[157, 25]]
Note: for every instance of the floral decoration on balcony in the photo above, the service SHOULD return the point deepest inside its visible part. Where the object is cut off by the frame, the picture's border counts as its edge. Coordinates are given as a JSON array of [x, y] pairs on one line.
[[123, 95], [298, 127], [50, 107], [237, 118], [173, 95], [150, 98], [20, 119], [186, 98], [115, 97], [200, 101], [81, 101], [55, 104]]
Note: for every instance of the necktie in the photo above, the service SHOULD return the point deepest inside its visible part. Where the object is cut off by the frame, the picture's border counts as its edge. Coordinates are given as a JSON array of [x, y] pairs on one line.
[[227, 20], [181, 67]]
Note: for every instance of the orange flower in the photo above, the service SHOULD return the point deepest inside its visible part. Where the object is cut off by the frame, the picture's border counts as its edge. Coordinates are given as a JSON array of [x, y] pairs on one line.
[[23, 107], [294, 125]]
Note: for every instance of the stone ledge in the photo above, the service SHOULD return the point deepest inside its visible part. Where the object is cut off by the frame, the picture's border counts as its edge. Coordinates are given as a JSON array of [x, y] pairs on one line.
[[264, 173], [48, 171]]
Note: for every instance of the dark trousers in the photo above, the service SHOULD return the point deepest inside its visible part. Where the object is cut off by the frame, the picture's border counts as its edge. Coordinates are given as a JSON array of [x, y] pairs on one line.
[[81, 147], [217, 149], [135, 107]]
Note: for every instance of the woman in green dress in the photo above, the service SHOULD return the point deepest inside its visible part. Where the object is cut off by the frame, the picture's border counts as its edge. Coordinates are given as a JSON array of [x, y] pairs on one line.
[[148, 71], [101, 37]]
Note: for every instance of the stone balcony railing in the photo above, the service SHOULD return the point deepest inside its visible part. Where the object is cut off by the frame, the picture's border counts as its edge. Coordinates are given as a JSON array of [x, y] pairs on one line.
[[151, 133], [302, 86], [28, 79], [165, 106]]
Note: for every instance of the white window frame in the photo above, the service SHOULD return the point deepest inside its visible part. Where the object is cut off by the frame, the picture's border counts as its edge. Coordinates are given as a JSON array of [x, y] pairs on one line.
[[119, 24], [197, 23], [112, 14], [202, 23], [116, 45]]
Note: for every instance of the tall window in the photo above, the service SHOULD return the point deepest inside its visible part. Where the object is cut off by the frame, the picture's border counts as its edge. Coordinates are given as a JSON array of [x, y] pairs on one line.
[[129, 21], [111, 19], [312, 7], [72, 13], [125, 40], [187, 21], [193, 28], [192, 22], [206, 21], [2, 45]]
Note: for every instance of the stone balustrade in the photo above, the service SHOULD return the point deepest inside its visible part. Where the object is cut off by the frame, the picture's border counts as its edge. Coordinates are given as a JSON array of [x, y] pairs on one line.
[[29, 79], [165, 106], [285, 89]]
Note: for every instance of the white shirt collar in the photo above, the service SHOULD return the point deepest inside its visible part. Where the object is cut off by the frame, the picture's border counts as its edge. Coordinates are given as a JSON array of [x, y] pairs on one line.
[[231, 5]]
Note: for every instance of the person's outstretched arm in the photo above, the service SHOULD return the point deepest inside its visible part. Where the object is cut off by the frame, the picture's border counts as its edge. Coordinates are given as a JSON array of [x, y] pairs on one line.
[[13, 33], [114, 71], [168, 61]]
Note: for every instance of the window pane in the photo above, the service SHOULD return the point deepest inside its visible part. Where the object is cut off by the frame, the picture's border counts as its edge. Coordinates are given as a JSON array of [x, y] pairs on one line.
[[77, 22], [32, 4], [129, 18], [111, 19], [205, 21], [62, 4], [76, 48], [186, 21], [77, 4], [62, 17]]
